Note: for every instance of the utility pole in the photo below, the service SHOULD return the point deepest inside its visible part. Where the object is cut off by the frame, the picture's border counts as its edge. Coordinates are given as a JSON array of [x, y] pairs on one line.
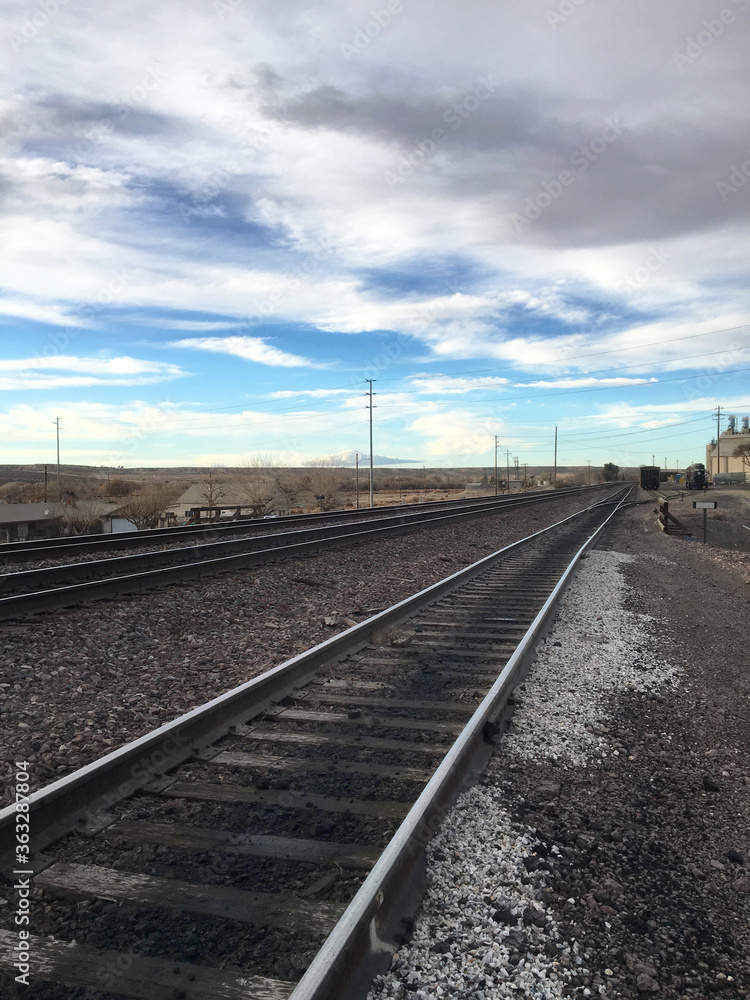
[[507, 469], [554, 473], [372, 492], [718, 439], [496, 465], [59, 488], [356, 459]]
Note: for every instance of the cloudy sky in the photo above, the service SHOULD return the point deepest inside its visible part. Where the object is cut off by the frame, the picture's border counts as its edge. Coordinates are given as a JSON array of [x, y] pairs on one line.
[[219, 218]]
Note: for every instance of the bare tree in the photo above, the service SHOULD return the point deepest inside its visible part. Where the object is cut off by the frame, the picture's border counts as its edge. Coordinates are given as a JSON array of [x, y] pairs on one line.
[[743, 451], [213, 490], [146, 507], [261, 485], [25, 493], [85, 517], [117, 487], [325, 483]]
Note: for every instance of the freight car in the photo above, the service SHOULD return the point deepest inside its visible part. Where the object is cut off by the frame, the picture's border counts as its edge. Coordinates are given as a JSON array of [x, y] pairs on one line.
[[695, 477], [650, 477]]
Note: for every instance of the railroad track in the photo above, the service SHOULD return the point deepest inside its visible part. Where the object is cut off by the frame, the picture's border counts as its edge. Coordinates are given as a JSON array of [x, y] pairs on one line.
[[270, 844], [46, 588], [191, 534]]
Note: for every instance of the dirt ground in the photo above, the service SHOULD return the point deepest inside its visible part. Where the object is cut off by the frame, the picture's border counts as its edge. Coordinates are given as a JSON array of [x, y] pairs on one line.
[[726, 527], [656, 885]]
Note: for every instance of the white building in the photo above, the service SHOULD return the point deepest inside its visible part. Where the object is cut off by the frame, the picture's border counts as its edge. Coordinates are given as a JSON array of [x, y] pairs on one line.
[[720, 460]]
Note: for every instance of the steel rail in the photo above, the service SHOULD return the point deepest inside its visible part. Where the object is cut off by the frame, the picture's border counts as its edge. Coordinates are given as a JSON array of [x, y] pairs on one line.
[[372, 927], [92, 789], [77, 545], [202, 561], [22, 581]]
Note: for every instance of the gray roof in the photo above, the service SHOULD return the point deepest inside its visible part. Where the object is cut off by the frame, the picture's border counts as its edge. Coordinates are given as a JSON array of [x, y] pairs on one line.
[[20, 513], [14, 513], [232, 496]]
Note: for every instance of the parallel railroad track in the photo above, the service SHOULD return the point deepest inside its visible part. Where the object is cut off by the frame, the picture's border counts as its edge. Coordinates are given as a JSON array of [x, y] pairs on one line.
[[191, 534], [31, 591], [238, 852]]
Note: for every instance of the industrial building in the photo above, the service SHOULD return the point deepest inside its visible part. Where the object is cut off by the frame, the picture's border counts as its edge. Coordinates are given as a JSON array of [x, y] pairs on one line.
[[720, 460]]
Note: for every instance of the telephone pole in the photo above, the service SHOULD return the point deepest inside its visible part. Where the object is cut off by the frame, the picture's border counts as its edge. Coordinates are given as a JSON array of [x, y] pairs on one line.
[[356, 460], [370, 405], [554, 473], [496, 465], [718, 439], [57, 429], [507, 469]]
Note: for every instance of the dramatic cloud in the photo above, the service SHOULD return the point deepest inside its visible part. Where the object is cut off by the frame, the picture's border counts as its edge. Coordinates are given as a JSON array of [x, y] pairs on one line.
[[476, 206]]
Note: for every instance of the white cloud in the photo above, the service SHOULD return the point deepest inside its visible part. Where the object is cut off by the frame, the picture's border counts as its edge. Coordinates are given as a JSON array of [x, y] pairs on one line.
[[39, 312], [241, 175], [181, 325], [105, 366], [626, 415], [449, 384], [248, 348], [310, 393], [582, 383], [453, 432], [46, 372]]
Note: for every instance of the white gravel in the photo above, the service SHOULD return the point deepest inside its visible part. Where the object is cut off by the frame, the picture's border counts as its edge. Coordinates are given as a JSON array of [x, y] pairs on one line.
[[476, 862], [476, 914], [598, 648]]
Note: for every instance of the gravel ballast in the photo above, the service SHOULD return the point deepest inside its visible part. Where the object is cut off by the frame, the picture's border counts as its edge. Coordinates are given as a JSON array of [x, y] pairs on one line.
[[605, 852], [76, 684]]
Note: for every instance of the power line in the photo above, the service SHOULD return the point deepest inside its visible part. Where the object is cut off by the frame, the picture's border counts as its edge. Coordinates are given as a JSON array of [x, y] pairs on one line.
[[580, 357], [286, 407]]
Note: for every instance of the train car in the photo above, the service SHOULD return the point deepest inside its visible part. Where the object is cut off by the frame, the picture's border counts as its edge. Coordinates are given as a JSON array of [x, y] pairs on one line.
[[650, 477], [695, 477]]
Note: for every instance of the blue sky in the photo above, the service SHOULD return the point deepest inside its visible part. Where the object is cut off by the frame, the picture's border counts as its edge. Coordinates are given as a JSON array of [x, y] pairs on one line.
[[219, 219]]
